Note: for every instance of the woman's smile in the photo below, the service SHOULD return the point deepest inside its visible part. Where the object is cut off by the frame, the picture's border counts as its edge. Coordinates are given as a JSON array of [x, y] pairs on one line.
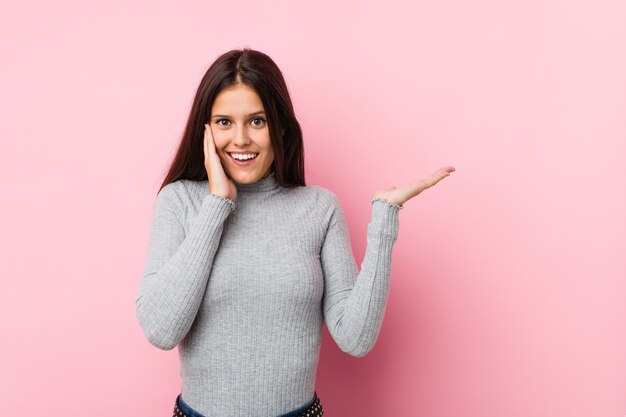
[[243, 159]]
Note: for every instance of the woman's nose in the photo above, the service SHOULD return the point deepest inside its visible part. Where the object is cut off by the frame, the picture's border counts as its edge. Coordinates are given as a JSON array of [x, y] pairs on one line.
[[241, 136]]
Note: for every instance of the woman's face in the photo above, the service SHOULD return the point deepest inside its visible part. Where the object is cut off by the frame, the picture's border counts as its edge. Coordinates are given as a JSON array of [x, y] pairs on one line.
[[239, 126]]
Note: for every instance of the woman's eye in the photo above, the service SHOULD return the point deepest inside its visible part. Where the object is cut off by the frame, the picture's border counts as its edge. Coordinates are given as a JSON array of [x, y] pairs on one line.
[[221, 120], [258, 119]]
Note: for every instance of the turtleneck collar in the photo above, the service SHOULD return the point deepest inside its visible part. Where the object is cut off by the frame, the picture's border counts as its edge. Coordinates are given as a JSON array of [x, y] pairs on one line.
[[268, 183]]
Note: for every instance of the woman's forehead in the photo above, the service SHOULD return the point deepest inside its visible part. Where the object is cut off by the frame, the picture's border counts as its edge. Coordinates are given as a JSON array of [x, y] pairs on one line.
[[239, 100]]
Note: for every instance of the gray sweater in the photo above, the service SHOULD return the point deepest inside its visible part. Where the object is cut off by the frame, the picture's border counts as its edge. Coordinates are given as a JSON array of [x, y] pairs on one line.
[[242, 288]]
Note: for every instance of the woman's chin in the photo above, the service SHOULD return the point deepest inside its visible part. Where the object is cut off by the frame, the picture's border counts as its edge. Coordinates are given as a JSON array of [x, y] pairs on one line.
[[242, 178]]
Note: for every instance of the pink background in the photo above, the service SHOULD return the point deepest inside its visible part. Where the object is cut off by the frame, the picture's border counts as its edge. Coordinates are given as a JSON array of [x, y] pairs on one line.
[[508, 277]]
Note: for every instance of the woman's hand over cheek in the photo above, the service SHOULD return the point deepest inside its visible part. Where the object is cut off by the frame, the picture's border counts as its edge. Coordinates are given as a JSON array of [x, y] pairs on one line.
[[219, 183]]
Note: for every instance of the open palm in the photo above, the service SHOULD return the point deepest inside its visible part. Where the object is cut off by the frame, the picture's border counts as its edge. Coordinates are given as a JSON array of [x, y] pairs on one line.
[[399, 195]]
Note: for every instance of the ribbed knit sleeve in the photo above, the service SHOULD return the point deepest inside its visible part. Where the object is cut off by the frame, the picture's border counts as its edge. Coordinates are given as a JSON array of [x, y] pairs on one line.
[[178, 265], [354, 301]]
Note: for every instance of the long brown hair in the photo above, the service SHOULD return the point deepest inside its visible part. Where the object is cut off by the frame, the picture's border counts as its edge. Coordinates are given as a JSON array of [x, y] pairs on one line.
[[258, 71]]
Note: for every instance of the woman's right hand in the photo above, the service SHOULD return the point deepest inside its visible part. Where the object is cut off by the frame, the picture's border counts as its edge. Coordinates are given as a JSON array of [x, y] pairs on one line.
[[219, 183]]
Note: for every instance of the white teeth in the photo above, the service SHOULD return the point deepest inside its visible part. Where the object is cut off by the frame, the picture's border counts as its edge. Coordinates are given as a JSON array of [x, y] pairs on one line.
[[243, 157]]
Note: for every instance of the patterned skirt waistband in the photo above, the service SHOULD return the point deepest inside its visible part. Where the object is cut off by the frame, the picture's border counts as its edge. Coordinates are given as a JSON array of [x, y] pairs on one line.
[[312, 409]]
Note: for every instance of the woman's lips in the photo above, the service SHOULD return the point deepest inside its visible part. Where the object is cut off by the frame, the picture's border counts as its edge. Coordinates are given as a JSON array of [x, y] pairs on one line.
[[238, 162]]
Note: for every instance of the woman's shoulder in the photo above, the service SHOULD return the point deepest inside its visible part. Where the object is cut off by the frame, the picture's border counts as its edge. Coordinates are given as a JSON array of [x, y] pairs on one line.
[[323, 196], [186, 188], [178, 194], [174, 188]]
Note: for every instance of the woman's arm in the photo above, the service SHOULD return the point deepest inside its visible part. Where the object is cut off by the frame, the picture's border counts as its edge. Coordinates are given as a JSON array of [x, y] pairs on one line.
[[177, 267], [354, 301]]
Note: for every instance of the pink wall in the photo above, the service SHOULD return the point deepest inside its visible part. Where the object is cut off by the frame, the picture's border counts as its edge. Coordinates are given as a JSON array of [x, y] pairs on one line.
[[508, 278]]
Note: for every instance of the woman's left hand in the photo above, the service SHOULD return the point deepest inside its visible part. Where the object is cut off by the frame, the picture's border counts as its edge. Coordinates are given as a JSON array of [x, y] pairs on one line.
[[399, 195]]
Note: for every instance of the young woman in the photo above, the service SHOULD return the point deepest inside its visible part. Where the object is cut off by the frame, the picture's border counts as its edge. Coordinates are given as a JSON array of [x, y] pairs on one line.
[[245, 262]]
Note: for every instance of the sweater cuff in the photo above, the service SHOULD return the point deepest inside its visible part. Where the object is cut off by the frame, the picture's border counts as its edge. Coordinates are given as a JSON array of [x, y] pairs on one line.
[[385, 218], [225, 203], [399, 206], [213, 211]]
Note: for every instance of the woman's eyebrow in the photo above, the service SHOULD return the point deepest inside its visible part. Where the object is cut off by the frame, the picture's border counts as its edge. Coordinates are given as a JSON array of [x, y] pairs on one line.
[[250, 115]]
